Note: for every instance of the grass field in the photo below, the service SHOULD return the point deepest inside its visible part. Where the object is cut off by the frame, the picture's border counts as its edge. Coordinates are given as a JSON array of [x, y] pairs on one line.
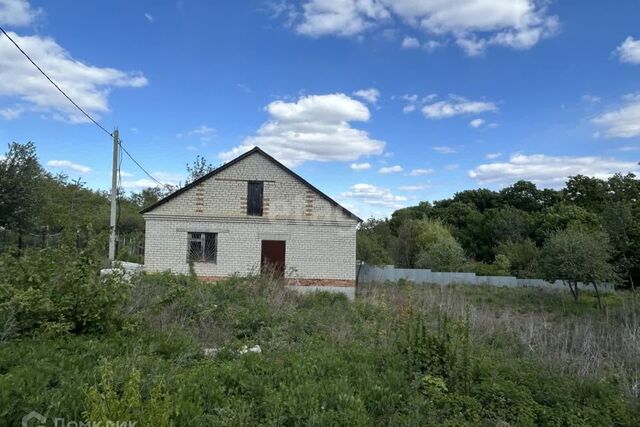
[[400, 355]]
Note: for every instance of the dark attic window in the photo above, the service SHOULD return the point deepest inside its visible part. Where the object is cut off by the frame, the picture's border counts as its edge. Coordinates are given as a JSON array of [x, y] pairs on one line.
[[254, 198]]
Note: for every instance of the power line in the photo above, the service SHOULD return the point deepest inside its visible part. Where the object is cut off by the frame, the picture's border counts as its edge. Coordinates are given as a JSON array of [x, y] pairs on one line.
[[54, 84], [84, 112], [143, 169]]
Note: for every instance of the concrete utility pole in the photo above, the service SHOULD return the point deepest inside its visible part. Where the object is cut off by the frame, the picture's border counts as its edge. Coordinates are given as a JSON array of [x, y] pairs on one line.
[[114, 197]]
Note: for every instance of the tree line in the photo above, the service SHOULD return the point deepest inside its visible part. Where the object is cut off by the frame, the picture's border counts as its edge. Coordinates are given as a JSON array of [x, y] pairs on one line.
[[589, 230]]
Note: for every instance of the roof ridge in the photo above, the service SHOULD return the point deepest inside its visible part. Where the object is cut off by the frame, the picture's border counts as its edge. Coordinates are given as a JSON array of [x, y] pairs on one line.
[[244, 155]]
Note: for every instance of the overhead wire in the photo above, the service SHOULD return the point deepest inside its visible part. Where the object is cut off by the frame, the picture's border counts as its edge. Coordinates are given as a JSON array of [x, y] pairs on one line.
[[87, 115]]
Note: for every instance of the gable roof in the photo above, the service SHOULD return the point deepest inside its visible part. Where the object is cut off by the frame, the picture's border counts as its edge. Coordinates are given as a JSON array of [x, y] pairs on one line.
[[238, 159]]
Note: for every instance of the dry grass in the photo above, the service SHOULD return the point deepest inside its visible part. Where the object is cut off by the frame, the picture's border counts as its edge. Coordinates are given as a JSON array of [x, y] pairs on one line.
[[574, 339]]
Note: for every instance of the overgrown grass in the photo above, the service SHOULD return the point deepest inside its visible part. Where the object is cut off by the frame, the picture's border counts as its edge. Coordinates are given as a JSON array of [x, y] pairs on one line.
[[399, 355]]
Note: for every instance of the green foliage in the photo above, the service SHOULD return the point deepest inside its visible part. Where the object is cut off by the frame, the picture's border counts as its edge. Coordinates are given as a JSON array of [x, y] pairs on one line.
[[488, 223], [443, 255], [20, 189], [573, 256], [57, 291], [324, 361], [523, 257], [105, 403]]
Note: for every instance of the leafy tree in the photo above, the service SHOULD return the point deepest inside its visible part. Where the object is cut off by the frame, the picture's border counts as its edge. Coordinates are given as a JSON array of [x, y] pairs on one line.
[[405, 246], [507, 224], [20, 188], [574, 256], [562, 216], [587, 192], [523, 195], [482, 198], [523, 257], [443, 255], [198, 168], [372, 236], [414, 212]]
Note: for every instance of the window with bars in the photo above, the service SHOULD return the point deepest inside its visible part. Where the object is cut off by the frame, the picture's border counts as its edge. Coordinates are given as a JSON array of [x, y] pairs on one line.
[[203, 247], [255, 191]]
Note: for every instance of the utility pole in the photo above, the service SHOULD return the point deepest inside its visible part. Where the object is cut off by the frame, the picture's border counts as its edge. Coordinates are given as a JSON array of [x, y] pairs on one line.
[[114, 198]]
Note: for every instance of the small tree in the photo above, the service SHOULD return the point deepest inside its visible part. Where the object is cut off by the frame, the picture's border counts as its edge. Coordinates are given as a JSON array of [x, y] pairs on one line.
[[574, 255], [20, 187], [199, 168], [443, 255]]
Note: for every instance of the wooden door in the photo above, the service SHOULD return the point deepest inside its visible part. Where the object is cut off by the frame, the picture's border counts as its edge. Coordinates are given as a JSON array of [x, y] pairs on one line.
[[273, 255]]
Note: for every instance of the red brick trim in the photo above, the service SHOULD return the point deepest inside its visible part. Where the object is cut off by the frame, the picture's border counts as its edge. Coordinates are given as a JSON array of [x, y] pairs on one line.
[[340, 283], [211, 278]]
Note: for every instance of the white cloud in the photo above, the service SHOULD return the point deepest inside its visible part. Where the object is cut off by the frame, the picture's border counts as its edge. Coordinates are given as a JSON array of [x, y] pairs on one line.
[[340, 17], [390, 169], [370, 95], [623, 122], [473, 24], [451, 167], [11, 113], [629, 51], [314, 128], [412, 187], [204, 132], [476, 123], [492, 156], [409, 108], [17, 13], [418, 172], [456, 105], [88, 85], [360, 166], [68, 165], [373, 195], [591, 99], [410, 43], [149, 17], [548, 170], [443, 149], [431, 45]]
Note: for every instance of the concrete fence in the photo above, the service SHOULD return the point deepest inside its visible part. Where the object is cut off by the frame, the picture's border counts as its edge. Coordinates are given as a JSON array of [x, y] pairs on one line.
[[373, 274]]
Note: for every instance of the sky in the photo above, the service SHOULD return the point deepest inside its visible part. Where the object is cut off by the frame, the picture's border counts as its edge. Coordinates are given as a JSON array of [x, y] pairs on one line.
[[381, 104]]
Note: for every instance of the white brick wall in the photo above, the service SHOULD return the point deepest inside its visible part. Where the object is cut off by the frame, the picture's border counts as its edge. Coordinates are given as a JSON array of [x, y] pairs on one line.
[[321, 238], [225, 195], [313, 250]]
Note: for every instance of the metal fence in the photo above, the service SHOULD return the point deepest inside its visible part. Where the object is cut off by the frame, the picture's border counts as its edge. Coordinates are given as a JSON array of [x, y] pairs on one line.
[[373, 274], [130, 247]]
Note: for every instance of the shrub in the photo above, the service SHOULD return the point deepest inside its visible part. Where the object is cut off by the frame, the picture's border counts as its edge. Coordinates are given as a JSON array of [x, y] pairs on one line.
[[443, 255], [55, 291]]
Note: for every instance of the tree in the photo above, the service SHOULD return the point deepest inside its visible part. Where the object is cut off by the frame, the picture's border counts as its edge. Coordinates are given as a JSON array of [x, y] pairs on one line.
[[574, 256], [523, 257], [443, 255], [523, 195], [20, 188], [198, 168]]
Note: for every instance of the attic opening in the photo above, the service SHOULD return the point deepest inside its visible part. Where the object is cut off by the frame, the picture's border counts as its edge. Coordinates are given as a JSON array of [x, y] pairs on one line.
[[255, 192]]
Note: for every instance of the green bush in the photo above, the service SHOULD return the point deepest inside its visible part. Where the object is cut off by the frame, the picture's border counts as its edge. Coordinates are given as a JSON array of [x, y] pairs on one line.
[[58, 291]]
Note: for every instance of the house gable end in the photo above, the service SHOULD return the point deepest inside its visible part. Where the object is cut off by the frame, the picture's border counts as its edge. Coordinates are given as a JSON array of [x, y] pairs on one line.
[[223, 193]]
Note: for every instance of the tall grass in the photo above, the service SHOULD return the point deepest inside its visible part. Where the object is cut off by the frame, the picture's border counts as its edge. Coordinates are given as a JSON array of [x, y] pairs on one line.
[[571, 338]]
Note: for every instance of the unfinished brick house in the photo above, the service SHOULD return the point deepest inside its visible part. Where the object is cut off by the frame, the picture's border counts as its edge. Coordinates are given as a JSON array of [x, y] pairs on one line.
[[251, 214]]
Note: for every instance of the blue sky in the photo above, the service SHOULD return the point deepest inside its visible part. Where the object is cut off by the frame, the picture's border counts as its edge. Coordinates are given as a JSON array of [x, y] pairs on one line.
[[379, 103]]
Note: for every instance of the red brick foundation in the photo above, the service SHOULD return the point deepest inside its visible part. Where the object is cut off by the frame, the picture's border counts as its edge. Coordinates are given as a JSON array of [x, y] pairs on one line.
[[338, 283], [211, 278]]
